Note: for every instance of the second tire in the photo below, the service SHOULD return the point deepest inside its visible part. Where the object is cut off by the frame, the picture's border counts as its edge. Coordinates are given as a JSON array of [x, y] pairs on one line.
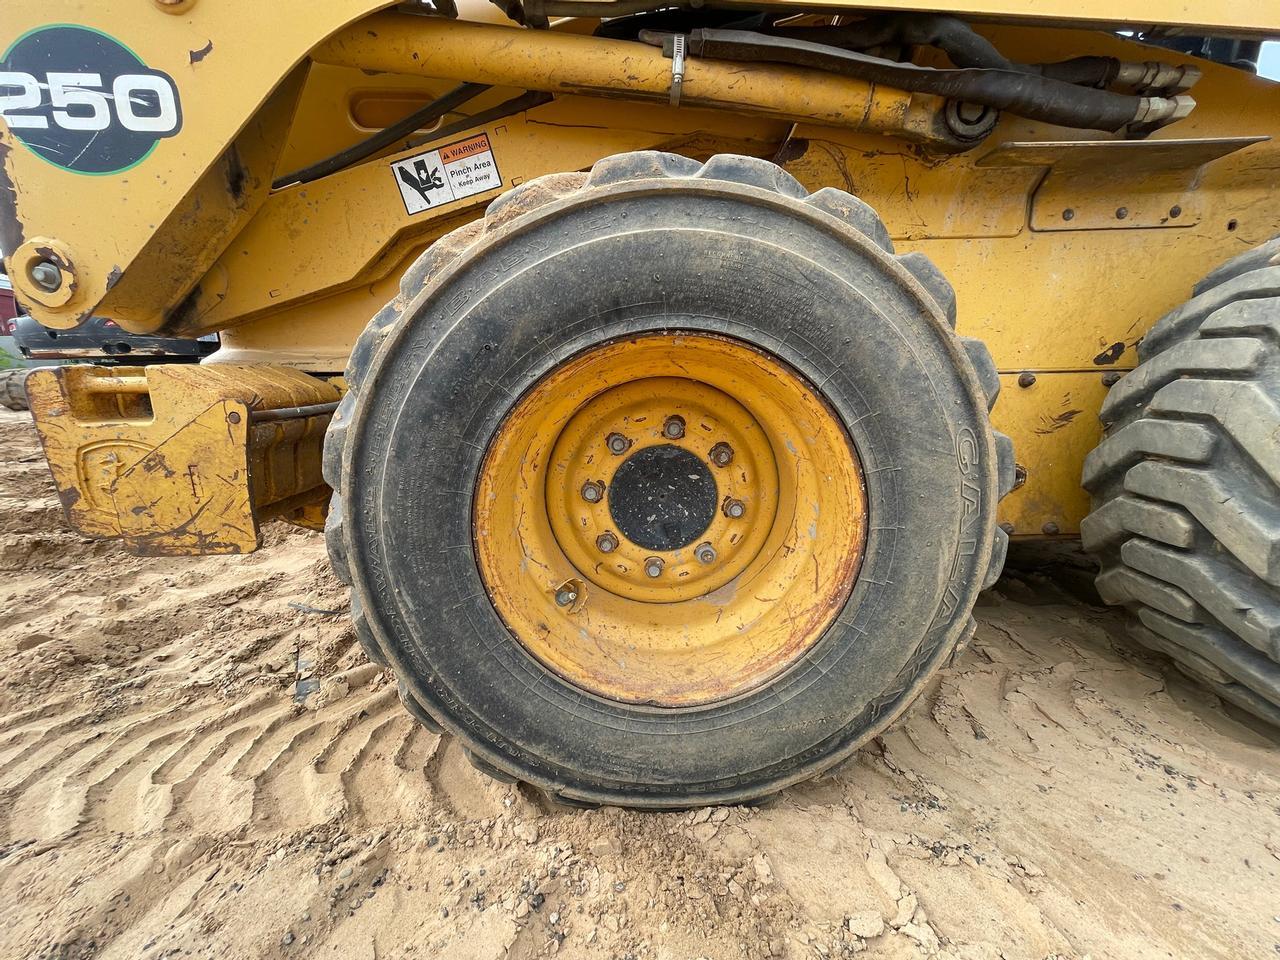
[[1186, 485]]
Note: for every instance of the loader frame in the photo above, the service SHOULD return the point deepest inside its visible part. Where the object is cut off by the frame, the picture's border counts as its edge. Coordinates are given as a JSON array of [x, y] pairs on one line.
[[1064, 246]]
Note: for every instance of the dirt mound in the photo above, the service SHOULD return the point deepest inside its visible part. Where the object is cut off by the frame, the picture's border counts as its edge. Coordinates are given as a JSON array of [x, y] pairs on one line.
[[196, 759]]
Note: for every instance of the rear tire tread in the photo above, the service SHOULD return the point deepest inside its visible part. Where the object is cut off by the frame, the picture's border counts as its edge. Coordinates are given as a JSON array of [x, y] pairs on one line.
[[1186, 484], [13, 391]]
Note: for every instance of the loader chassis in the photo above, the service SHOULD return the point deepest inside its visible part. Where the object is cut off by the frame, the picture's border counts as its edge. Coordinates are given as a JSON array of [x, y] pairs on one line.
[[462, 261], [1031, 224]]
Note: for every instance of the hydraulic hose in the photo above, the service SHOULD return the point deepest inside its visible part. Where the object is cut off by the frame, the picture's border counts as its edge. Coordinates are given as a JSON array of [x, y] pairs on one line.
[[951, 35], [1030, 95], [559, 63], [384, 138], [967, 48]]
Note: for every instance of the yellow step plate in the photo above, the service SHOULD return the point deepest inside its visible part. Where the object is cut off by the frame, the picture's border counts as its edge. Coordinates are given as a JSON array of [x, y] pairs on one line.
[[181, 459]]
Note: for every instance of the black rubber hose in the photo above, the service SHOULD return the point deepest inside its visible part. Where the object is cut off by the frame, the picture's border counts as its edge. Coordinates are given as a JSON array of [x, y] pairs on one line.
[[678, 21], [950, 34], [1082, 71], [1025, 94], [956, 39], [384, 138], [526, 101]]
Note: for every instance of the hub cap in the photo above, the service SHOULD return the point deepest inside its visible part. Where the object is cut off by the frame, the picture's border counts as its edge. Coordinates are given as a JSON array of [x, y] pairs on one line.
[[662, 497], [697, 500]]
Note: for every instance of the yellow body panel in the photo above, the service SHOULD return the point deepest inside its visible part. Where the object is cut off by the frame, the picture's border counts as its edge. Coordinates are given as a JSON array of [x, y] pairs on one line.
[[225, 73], [194, 238], [366, 228], [1053, 423], [179, 459]]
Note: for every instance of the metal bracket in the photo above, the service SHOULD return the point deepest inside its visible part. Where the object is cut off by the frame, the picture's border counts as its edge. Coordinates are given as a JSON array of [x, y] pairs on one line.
[[677, 67], [1116, 184], [182, 459]]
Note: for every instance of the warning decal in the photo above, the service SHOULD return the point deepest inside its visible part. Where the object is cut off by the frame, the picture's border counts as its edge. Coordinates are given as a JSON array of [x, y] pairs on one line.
[[455, 171]]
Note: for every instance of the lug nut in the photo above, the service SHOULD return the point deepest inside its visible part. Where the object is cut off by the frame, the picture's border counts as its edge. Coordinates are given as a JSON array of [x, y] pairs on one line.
[[722, 454], [735, 509], [653, 567], [673, 429], [706, 553], [46, 275], [606, 543], [1026, 379], [617, 443], [593, 491], [566, 596]]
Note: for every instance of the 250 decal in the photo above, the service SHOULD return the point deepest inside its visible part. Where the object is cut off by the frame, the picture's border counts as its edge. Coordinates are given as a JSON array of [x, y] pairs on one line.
[[85, 102], [143, 102]]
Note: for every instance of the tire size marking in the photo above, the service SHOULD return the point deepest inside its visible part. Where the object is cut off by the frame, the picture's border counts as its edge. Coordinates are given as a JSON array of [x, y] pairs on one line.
[[458, 170]]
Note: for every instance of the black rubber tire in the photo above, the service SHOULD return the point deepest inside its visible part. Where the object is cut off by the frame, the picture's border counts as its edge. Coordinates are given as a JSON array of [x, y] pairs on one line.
[[13, 391], [652, 241], [1186, 486]]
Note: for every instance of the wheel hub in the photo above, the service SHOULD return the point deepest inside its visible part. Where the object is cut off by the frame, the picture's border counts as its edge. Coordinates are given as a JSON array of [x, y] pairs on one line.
[[687, 514], [662, 498]]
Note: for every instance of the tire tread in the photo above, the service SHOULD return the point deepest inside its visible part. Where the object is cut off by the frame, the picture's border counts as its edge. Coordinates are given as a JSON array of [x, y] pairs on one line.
[[13, 391], [1186, 486]]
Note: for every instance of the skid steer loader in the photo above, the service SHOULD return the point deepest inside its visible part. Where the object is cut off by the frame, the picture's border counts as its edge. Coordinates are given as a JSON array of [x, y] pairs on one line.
[[640, 361]]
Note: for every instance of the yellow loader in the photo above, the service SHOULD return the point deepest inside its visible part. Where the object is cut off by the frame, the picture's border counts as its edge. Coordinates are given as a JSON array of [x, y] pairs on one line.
[[640, 361]]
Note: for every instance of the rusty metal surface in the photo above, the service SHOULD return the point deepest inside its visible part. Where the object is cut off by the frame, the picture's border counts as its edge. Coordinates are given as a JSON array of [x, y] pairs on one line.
[[170, 460], [700, 631]]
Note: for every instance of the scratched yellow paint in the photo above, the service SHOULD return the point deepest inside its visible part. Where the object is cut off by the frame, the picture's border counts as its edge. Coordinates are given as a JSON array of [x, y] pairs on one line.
[[176, 459], [1053, 424]]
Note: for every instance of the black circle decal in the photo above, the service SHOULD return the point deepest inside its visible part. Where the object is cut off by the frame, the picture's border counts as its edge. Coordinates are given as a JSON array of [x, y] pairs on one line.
[[84, 101]]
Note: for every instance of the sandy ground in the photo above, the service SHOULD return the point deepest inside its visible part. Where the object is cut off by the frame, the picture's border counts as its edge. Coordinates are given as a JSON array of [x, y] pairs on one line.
[[172, 785]]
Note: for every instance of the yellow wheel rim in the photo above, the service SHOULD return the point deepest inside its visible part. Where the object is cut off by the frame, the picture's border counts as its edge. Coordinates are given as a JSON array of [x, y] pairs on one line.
[[672, 519]]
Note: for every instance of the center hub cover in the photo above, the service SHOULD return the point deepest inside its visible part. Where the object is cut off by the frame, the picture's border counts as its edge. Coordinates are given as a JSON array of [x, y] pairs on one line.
[[663, 498]]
